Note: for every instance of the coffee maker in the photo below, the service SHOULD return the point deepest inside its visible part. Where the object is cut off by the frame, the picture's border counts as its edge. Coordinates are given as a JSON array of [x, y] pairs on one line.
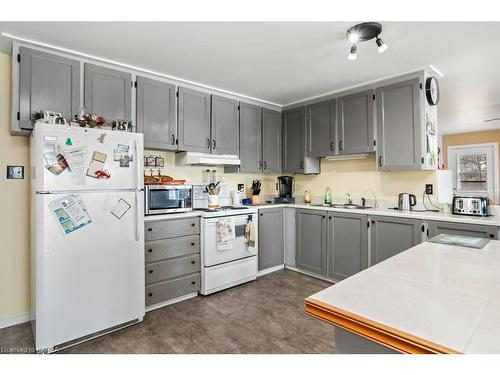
[[285, 187]]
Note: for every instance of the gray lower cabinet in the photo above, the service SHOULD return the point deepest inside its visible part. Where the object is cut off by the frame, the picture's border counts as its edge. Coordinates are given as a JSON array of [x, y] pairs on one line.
[[47, 82], [399, 126], [471, 230], [224, 126], [311, 238], [271, 141], [355, 118], [321, 129], [172, 256], [156, 113], [108, 92], [250, 138], [194, 120], [294, 144], [347, 244], [271, 251], [392, 235], [290, 239]]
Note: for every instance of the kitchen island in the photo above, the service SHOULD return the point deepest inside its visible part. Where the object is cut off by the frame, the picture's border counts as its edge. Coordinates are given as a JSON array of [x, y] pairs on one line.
[[432, 298]]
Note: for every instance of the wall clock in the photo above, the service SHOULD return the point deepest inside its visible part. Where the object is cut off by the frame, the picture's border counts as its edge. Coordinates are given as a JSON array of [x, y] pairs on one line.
[[432, 90]]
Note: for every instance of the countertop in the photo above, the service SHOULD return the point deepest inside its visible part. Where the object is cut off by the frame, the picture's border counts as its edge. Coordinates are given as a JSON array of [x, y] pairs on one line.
[[440, 297]]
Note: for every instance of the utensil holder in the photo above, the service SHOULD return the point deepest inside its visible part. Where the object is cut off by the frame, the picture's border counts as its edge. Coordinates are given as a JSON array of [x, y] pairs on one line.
[[213, 201]]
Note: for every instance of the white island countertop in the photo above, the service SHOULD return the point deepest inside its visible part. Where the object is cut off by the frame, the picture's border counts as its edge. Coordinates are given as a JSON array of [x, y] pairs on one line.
[[430, 298]]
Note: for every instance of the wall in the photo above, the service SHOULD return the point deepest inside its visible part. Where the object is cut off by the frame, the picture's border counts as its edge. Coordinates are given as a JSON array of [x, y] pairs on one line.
[[14, 210]]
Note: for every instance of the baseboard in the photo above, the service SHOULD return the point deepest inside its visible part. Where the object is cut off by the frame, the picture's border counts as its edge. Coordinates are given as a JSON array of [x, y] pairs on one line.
[[310, 274], [15, 320], [170, 301], [269, 270]]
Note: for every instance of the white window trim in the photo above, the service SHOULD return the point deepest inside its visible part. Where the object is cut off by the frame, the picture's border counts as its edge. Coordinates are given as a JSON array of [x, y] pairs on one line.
[[495, 162]]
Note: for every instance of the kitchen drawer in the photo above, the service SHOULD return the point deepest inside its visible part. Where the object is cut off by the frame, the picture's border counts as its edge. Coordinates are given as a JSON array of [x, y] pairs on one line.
[[172, 268], [173, 247], [171, 228], [171, 289]]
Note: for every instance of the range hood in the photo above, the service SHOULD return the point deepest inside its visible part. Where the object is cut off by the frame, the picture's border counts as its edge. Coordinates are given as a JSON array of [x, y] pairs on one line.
[[200, 158]]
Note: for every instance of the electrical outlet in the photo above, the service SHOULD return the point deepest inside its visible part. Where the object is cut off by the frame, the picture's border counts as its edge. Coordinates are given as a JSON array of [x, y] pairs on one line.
[[241, 187], [15, 172], [429, 189]]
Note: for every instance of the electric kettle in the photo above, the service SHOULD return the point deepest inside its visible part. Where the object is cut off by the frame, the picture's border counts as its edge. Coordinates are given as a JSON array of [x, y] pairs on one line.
[[406, 201]]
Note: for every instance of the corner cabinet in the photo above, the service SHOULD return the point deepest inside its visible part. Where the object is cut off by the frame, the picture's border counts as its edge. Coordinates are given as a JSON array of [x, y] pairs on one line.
[[224, 126], [108, 92], [250, 138], [156, 113], [347, 244], [311, 241], [294, 144], [47, 82], [355, 119], [321, 140], [271, 141], [393, 235], [194, 120], [271, 250]]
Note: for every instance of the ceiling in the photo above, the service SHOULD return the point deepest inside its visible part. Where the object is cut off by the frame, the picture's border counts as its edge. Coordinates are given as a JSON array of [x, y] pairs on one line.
[[284, 62]]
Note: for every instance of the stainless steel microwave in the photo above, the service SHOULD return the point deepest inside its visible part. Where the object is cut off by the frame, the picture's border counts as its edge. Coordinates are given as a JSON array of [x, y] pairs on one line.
[[166, 199]]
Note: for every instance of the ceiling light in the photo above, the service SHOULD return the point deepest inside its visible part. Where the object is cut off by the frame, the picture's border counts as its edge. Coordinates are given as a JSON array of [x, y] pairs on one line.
[[353, 55], [363, 32], [381, 45]]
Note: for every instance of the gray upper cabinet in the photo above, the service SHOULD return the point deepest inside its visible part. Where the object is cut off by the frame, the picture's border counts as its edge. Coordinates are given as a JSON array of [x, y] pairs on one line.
[[311, 241], [250, 138], [471, 230], [108, 92], [321, 129], [271, 141], [47, 82], [271, 251], [391, 236], [156, 113], [347, 244], [399, 126], [294, 142], [224, 130], [355, 117], [194, 120]]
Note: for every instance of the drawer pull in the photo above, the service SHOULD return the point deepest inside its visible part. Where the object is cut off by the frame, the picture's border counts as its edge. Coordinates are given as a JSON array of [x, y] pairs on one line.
[[150, 295], [193, 282], [193, 224], [150, 250], [150, 229], [492, 235], [192, 243], [193, 262], [150, 271]]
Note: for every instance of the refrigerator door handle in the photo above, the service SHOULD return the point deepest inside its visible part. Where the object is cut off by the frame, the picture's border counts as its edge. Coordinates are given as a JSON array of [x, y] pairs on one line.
[[137, 217], [138, 169]]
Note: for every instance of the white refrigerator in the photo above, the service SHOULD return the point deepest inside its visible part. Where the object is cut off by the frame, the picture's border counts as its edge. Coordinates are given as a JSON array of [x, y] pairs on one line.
[[87, 233]]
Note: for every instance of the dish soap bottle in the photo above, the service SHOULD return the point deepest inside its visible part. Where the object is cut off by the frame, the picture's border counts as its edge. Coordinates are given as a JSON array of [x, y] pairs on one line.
[[328, 197], [307, 197]]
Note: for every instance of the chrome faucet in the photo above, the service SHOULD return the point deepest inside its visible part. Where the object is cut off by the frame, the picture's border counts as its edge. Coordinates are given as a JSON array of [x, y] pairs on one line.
[[374, 197], [350, 198]]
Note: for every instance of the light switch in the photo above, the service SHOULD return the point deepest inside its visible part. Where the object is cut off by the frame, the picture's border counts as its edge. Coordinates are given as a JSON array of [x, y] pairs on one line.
[[15, 172]]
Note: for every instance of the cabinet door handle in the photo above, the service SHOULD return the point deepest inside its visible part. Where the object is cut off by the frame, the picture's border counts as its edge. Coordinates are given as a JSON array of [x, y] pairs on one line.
[[380, 161], [265, 165], [323, 216], [192, 243], [193, 262], [332, 146], [150, 250], [208, 143], [492, 235], [193, 224], [150, 271], [193, 282], [329, 217], [341, 145], [173, 140], [373, 221], [260, 164], [213, 143], [150, 295], [150, 229], [302, 164]]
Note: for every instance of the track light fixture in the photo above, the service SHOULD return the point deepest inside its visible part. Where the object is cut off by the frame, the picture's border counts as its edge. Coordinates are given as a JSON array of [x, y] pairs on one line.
[[363, 32]]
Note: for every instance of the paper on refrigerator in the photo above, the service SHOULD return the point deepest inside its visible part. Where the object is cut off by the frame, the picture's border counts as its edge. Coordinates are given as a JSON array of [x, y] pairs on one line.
[[70, 213]]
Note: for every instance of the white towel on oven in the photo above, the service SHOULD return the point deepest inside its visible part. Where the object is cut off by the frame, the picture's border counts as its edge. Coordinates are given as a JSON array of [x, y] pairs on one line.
[[225, 233]]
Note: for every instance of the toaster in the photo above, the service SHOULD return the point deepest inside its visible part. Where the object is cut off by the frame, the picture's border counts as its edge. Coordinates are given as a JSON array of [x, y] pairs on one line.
[[472, 206]]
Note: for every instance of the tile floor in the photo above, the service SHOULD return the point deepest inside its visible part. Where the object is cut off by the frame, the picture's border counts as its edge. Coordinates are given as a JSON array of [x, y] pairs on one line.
[[264, 316]]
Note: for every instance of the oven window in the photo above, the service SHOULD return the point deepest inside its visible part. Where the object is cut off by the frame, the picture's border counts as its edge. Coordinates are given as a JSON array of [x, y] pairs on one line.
[[164, 199]]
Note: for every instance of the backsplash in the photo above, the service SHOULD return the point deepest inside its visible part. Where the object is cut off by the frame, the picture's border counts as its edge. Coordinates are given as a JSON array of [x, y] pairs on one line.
[[352, 176]]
